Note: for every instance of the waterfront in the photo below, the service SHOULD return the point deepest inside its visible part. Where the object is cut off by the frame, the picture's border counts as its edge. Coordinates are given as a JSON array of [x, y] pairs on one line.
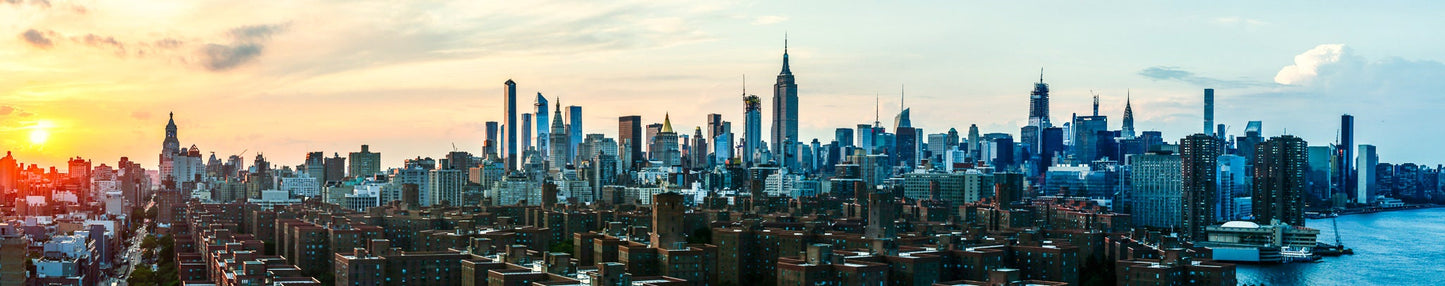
[[1397, 247]]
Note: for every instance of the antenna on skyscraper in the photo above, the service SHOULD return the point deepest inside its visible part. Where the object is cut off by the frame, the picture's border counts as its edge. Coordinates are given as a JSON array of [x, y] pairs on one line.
[[901, 97], [876, 104], [1041, 74], [745, 85], [1096, 102]]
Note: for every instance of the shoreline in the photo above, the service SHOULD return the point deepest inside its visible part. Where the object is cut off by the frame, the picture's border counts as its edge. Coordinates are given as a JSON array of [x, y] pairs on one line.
[[1357, 211]]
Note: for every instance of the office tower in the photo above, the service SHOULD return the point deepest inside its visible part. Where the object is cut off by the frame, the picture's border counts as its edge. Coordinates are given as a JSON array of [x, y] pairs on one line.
[[1279, 181], [1231, 180], [509, 112], [1039, 103], [1157, 196], [1252, 137], [865, 137], [364, 163], [559, 140], [844, 136], [574, 130], [1209, 111], [667, 210], [489, 146], [335, 167], [1319, 177], [785, 111], [905, 146], [698, 153], [1128, 131], [540, 111], [714, 125], [1345, 152], [1051, 142], [525, 140], [973, 142], [752, 129], [1198, 156], [652, 149], [1086, 137], [1365, 189], [629, 134], [169, 148], [666, 144]]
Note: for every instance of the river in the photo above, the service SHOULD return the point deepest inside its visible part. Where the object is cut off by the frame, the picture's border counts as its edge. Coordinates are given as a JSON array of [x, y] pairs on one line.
[[1395, 248]]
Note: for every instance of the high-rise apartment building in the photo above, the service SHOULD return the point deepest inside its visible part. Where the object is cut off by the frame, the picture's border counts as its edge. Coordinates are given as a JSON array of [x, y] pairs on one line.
[[1209, 112], [1199, 154], [1345, 162], [1279, 181], [509, 112], [364, 163]]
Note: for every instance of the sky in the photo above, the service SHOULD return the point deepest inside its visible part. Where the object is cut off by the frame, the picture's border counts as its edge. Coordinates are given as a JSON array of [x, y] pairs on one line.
[[414, 78]]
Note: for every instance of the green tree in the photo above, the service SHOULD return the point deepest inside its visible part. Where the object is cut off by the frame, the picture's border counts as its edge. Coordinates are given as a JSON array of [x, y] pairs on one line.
[[142, 276], [149, 242]]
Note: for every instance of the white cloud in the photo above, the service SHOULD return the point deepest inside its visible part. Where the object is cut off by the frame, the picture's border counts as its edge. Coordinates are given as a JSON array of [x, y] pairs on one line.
[[1306, 65], [768, 20]]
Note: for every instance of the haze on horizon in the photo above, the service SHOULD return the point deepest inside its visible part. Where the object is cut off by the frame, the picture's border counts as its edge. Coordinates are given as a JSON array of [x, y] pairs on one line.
[[97, 78]]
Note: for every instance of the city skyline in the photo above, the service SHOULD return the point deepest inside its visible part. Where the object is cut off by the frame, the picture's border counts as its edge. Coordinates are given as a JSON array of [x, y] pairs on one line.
[[243, 84]]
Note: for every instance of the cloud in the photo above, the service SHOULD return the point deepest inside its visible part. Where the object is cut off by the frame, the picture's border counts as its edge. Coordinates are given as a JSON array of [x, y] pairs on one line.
[[247, 43], [768, 20], [1179, 74], [37, 39], [6, 109], [142, 115], [1306, 65]]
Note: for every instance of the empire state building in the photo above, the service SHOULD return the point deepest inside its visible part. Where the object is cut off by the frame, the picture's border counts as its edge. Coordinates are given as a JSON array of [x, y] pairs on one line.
[[785, 113]]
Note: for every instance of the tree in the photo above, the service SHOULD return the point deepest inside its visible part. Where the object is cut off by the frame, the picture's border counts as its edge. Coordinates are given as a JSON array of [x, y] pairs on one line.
[[149, 242], [142, 276]]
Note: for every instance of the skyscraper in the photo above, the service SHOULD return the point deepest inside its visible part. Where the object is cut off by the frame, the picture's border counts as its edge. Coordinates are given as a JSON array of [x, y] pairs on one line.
[[509, 112], [1346, 162], [1365, 189], [525, 140], [629, 136], [752, 129], [1156, 193], [542, 121], [1198, 156], [1209, 111], [169, 148], [1086, 137], [364, 163], [785, 111], [1039, 103], [666, 149], [844, 136], [1279, 181], [1128, 129], [489, 146], [574, 130], [714, 125], [973, 142], [560, 140]]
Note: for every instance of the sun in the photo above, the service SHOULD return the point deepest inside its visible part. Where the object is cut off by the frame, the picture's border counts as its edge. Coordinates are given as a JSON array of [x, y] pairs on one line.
[[39, 136]]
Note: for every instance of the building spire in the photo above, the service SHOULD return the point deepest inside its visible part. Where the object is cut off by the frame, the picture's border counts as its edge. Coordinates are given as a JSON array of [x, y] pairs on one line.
[[876, 106], [786, 70], [1041, 74], [666, 123]]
